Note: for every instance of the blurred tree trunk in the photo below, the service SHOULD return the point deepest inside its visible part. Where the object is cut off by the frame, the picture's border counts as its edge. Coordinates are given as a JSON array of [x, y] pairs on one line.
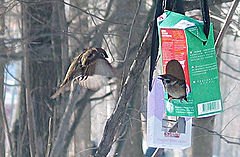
[[19, 129], [39, 69], [2, 64], [59, 43], [2, 130]]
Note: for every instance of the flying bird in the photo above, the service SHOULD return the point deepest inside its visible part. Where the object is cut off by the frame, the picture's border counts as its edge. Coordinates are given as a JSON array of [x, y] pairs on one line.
[[175, 87], [90, 69]]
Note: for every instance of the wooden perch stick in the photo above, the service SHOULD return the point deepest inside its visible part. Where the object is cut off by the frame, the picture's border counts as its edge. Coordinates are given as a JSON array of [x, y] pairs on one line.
[[116, 118]]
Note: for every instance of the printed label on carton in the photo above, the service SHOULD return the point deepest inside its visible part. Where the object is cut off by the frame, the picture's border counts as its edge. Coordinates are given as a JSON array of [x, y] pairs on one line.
[[174, 46]]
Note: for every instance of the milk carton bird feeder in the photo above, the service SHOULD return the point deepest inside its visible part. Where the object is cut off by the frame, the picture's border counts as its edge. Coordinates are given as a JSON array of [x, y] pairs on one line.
[[187, 54]]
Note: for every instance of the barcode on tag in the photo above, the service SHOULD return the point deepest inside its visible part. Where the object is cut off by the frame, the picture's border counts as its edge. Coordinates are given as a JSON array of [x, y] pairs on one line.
[[209, 107]]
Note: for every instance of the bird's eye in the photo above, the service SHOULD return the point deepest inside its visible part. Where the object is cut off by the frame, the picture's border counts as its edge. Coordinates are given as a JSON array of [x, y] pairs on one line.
[[90, 56], [168, 81]]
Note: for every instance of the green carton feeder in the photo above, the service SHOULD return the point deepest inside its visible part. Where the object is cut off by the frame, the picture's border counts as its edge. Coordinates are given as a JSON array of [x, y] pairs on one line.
[[188, 55]]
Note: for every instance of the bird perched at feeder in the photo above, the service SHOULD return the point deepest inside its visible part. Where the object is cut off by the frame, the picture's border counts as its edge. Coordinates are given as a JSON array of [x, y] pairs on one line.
[[90, 69], [175, 87]]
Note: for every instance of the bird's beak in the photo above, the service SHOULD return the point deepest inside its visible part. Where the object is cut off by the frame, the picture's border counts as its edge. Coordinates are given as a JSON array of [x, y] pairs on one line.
[[162, 77], [103, 52]]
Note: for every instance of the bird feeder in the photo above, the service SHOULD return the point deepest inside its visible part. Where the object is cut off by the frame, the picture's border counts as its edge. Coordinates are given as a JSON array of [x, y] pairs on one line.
[[187, 54]]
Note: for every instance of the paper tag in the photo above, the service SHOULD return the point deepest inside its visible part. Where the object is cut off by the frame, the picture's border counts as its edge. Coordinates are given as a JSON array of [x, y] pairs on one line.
[[174, 45]]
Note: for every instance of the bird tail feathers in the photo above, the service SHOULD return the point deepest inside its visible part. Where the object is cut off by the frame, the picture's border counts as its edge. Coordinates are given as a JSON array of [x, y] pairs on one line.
[[61, 90]]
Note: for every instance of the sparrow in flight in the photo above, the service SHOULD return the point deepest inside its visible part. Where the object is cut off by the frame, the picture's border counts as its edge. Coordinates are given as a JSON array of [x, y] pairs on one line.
[[90, 69], [175, 87]]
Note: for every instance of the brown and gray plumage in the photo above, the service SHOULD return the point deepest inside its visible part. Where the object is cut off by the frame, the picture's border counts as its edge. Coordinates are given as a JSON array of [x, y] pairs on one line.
[[90, 69], [175, 87]]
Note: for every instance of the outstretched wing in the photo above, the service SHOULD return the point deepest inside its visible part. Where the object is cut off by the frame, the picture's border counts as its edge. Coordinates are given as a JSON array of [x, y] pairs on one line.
[[72, 69], [71, 72], [104, 68], [98, 73], [91, 70], [94, 82]]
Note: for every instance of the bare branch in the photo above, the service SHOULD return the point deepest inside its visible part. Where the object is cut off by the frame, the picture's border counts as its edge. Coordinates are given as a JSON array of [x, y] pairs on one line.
[[64, 125], [64, 135], [229, 93], [129, 40], [116, 118], [216, 133], [236, 55], [231, 107], [130, 31], [13, 75], [102, 97], [223, 137], [49, 142], [228, 65], [190, 5], [105, 40], [80, 106], [6, 126], [86, 12], [229, 123], [226, 24], [233, 77]]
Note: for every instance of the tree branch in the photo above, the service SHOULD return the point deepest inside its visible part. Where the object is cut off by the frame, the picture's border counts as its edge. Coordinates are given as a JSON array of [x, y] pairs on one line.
[[80, 106], [191, 5], [6, 126], [116, 118], [229, 75], [229, 53], [218, 134], [130, 32], [86, 12], [64, 125], [226, 24]]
